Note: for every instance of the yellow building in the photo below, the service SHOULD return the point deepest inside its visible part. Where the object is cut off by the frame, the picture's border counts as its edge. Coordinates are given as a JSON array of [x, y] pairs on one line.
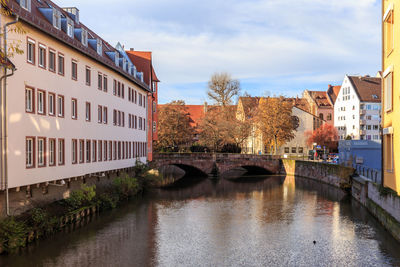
[[391, 92]]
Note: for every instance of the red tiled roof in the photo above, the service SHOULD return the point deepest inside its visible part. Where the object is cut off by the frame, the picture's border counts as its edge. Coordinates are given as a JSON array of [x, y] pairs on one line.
[[333, 92], [367, 88], [196, 113], [36, 19], [142, 61], [320, 98]]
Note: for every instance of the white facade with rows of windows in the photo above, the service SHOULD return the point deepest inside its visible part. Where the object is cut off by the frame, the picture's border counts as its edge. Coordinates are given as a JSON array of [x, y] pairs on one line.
[[68, 114], [355, 118]]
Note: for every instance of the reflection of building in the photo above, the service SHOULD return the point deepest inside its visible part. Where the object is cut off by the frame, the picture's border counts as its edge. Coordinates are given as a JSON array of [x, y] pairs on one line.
[[357, 108], [143, 62], [247, 108], [391, 91], [69, 102]]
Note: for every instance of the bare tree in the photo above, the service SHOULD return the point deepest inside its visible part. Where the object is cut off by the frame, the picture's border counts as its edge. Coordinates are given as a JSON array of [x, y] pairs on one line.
[[222, 89]]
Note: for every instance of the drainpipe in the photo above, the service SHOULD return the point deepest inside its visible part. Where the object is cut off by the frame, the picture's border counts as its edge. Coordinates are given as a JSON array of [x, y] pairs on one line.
[[4, 115]]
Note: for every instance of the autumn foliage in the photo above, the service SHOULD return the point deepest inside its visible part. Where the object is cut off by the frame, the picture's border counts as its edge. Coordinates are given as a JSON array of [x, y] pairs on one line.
[[326, 135]]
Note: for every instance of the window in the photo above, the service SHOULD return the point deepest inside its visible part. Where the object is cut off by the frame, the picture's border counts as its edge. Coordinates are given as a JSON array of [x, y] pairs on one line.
[[122, 90], [87, 151], [115, 117], [99, 81], [88, 76], [26, 4], [115, 150], [74, 108], [388, 32], [294, 149], [56, 18], [119, 89], [105, 115], [388, 87], [61, 67], [144, 101], [88, 111], [52, 104], [74, 151], [144, 124], [52, 60], [301, 150], [61, 151], [140, 123], [94, 150], [105, 83], [321, 116], [42, 56], [84, 37], [99, 114], [123, 118], [109, 150], [100, 150], [29, 100], [154, 126], [41, 102], [41, 152], [129, 94], [30, 152], [30, 51], [74, 70], [115, 87], [140, 99], [70, 27], [81, 150], [155, 107], [99, 47], [135, 97], [105, 150], [329, 117], [60, 105], [52, 152], [286, 150]]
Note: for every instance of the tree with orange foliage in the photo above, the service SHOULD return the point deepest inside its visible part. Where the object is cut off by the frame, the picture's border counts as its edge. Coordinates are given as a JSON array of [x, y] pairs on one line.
[[325, 136]]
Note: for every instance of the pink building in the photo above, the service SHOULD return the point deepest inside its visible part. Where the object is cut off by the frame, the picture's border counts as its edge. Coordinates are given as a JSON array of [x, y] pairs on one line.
[[77, 106]]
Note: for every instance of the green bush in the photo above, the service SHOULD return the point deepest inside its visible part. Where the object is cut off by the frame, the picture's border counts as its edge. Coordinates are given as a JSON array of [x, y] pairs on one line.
[[107, 201], [126, 186], [140, 168], [13, 234], [82, 197], [42, 222]]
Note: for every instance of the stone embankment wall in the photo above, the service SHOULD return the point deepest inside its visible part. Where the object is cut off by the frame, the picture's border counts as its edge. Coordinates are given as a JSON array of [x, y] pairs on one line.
[[382, 203], [335, 175]]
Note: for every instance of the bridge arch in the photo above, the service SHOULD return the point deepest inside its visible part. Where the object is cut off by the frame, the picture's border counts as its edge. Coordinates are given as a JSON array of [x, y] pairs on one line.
[[189, 169]]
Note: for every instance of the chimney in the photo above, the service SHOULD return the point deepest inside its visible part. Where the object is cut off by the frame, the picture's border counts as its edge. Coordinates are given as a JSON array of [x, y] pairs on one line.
[[205, 107], [131, 49]]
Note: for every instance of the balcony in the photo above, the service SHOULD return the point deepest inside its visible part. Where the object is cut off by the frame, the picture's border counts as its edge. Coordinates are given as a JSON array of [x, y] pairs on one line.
[[363, 122], [363, 112]]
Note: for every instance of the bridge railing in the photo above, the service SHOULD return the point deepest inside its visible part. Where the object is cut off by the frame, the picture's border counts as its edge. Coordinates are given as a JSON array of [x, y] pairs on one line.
[[211, 155]]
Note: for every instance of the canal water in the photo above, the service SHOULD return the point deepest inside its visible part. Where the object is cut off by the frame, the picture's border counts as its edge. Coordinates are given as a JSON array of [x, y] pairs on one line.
[[263, 221]]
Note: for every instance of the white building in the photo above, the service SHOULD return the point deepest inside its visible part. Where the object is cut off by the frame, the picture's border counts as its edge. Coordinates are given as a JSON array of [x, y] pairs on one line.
[[357, 108], [77, 107]]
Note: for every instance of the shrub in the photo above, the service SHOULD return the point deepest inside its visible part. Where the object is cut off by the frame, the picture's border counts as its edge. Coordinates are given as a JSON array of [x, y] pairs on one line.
[[42, 222], [107, 201], [126, 186], [140, 168], [82, 197], [12, 234]]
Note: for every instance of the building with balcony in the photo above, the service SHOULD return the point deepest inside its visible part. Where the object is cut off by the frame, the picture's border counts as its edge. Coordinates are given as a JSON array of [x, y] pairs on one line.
[[77, 106], [357, 108], [391, 91]]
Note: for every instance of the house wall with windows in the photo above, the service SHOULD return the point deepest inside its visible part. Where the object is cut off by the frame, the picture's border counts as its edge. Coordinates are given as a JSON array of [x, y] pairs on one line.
[[68, 109], [357, 108], [391, 101]]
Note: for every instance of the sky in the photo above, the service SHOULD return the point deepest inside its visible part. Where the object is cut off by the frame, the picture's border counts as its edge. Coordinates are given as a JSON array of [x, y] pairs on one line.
[[274, 47]]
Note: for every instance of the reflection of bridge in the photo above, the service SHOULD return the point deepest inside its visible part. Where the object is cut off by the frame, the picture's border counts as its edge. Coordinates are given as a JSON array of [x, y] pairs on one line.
[[209, 164]]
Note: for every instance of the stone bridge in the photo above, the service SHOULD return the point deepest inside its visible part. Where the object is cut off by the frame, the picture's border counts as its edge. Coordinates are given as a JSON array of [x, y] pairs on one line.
[[216, 164]]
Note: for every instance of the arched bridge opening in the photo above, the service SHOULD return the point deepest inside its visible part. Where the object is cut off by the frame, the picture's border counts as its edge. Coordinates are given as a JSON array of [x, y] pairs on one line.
[[256, 170], [191, 170]]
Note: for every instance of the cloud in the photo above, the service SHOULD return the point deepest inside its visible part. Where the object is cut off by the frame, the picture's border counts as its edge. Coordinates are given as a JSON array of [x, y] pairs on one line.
[[304, 42]]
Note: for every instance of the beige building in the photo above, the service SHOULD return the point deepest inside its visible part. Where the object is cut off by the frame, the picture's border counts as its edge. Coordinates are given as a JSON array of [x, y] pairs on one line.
[[247, 109], [76, 105]]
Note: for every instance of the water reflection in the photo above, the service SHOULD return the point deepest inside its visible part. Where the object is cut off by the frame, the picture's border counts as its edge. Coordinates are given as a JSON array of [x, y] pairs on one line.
[[253, 222]]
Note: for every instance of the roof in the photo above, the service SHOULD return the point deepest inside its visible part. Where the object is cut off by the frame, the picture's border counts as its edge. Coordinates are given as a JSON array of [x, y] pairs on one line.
[[333, 92], [143, 63], [367, 88], [320, 98], [196, 114], [249, 103], [37, 19]]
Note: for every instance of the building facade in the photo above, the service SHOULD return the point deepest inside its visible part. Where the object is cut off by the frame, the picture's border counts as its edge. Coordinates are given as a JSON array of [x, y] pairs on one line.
[[76, 105], [320, 105], [144, 63], [391, 101], [357, 108]]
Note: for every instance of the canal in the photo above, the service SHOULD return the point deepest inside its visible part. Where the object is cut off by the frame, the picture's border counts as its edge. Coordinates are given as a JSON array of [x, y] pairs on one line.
[[263, 221]]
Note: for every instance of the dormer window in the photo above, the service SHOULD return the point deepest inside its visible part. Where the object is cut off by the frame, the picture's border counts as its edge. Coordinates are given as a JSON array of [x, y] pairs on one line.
[[26, 4], [70, 28], [124, 63], [99, 47], [56, 18], [84, 37], [117, 59]]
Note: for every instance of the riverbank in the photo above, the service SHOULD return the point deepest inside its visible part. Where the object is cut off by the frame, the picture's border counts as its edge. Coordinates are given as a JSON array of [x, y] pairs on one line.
[[40, 222]]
